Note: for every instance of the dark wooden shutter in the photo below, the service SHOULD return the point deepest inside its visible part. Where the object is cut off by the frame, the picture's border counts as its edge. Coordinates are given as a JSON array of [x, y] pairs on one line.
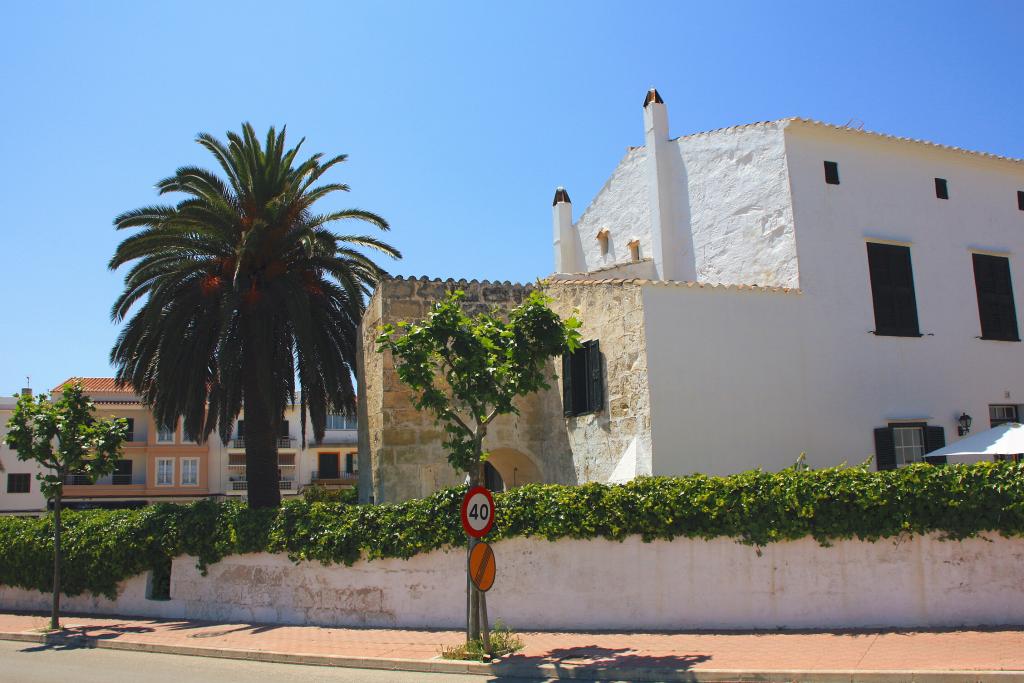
[[885, 449], [934, 439], [941, 188], [241, 429], [1020, 199], [996, 307], [892, 290], [595, 377], [567, 406], [284, 428], [831, 173]]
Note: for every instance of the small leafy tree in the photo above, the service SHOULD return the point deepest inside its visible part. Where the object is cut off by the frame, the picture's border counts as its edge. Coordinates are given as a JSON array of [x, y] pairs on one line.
[[468, 370], [64, 438]]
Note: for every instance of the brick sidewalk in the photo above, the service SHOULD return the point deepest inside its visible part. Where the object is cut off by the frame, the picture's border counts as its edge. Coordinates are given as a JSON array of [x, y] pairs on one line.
[[671, 654]]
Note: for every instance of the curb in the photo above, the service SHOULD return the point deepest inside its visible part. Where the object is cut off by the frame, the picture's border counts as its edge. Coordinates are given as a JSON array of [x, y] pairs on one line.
[[524, 670]]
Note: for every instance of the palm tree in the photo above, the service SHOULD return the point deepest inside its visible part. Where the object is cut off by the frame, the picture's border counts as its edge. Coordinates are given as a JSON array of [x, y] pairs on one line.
[[244, 290]]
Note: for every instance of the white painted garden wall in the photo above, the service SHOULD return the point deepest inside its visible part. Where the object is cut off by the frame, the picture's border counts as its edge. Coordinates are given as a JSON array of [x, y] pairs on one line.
[[682, 584]]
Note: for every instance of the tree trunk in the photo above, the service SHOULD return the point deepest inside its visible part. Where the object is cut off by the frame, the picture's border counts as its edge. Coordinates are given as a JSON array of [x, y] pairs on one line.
[[261, 425], [55, 612]]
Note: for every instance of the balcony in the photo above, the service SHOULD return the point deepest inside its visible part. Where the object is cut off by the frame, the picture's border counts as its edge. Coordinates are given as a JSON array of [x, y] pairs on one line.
[[282, 442], [283, 485], [342, 479]]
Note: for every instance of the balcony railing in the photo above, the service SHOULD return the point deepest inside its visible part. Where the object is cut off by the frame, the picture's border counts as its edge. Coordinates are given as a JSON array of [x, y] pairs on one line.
[[282, 442], [341, 477], [83, 480], [283, 485]]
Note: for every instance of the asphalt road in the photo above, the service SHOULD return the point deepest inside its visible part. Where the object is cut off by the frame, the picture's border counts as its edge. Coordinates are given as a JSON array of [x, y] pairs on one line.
[[32, 663]]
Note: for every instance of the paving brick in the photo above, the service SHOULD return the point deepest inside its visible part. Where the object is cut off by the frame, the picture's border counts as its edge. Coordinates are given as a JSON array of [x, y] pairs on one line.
[[854, 651]]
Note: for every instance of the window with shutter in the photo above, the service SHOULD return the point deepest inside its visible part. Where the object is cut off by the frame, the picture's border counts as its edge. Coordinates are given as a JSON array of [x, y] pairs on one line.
[[996, 307], [934, 439], [831, 173], [905, 443], [568, 407], [284, 428], [19, 483], [595, 378], [892, 290], [1020, 200], [941, 188], [582, 380], [241, 429], [885, 453], [130, 435], [1001, 414]]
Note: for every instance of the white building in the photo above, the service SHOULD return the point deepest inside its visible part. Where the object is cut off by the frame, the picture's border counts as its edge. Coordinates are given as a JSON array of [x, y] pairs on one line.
[[19, 489], [836, 283], [751, 294]]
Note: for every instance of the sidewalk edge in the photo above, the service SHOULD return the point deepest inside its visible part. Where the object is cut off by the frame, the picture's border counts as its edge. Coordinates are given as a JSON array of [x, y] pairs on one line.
[[523, 670]]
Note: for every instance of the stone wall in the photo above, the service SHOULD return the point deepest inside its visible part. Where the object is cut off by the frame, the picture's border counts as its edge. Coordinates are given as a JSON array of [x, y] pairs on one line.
[[913, 581], [611, 311], [401, 452]]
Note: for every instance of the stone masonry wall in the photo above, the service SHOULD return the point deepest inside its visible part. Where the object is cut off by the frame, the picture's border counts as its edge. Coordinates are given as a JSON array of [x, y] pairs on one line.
[[611, 311], [401, 452]]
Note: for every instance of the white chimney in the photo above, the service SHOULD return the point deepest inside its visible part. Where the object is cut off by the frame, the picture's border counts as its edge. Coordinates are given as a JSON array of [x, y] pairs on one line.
[[659, 187], [565, 235]]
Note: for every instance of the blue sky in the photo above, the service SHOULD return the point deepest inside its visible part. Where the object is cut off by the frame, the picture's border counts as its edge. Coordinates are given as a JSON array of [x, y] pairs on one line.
[[459, 118]]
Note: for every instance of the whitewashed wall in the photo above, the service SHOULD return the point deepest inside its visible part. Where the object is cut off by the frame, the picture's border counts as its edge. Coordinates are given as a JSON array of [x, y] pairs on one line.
[[622, 208], [682, 584], [855, 380], [731, 212], [733, 215]]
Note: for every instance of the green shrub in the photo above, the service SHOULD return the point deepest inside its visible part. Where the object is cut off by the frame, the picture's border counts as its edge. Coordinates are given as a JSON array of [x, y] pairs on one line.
[[104, 547], [503, 642], [322, 494]]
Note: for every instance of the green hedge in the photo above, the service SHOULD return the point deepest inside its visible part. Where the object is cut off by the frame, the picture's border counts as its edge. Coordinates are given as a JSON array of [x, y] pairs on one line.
[[103, 547]]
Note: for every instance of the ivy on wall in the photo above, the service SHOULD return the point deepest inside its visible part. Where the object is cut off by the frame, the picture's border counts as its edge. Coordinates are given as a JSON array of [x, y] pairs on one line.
[[104, 547]]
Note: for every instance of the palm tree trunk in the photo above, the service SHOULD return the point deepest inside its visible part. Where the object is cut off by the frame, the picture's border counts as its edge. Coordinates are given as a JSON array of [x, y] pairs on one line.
[[261, 427], [55, 611]]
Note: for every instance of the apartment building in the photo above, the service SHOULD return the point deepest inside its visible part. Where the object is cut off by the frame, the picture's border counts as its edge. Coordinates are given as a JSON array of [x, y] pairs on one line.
[[160, 464]]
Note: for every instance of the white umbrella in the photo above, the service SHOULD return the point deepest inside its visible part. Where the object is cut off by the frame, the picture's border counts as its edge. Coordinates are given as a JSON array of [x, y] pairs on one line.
[[1006, 439]]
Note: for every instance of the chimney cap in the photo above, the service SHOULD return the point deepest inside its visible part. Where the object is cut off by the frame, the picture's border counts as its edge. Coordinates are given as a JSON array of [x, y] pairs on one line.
[[653, 96], [561, 196]]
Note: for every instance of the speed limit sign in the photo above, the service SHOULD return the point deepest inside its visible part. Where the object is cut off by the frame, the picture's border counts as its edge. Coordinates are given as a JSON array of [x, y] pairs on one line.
[[477, 512]]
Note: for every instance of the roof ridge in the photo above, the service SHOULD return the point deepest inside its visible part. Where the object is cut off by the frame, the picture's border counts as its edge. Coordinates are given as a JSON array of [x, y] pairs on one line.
[[689, 284], [459, 281], [859, 131]]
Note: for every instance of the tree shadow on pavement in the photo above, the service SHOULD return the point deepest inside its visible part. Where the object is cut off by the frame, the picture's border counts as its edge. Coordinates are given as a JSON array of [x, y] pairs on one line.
[[578, 662], [76, 637]]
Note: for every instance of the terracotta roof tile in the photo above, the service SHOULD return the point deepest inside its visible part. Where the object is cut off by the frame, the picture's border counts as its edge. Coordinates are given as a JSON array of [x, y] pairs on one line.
[[688, 284], [99, 385]]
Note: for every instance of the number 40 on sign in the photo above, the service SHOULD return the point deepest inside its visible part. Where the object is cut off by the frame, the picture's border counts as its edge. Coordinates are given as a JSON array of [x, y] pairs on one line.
[[478, 512]]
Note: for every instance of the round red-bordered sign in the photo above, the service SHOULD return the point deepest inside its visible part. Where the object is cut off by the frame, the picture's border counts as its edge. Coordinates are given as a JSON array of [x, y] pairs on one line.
[[477, 512]]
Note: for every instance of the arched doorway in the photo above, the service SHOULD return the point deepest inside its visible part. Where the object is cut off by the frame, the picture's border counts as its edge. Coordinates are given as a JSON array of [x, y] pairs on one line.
[[513, 468]]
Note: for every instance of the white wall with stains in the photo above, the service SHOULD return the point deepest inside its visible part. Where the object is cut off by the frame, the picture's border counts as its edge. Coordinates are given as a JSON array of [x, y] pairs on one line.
[[916, 581]]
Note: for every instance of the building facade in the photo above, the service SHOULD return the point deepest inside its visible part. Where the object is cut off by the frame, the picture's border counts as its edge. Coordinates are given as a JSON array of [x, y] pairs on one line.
[[762, 291], [160, 464]]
